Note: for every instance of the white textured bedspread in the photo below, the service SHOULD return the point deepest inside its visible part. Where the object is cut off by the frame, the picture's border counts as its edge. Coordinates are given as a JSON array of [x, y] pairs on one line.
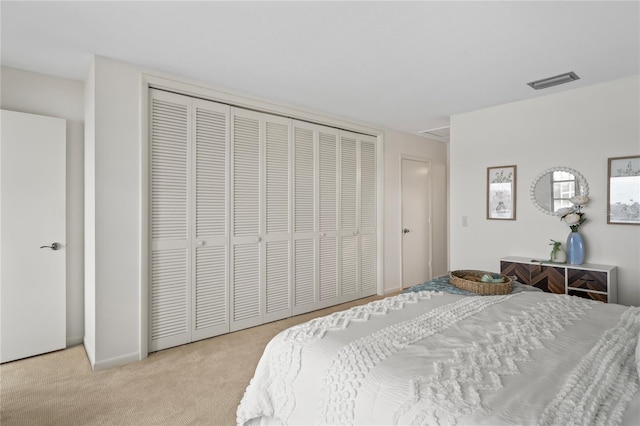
[[433, 358]]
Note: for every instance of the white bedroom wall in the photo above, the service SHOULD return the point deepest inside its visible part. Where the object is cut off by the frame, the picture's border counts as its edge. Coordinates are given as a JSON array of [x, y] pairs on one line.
[[89, 216], [58, 97], [113, 201], [579, 128], [398, 144]]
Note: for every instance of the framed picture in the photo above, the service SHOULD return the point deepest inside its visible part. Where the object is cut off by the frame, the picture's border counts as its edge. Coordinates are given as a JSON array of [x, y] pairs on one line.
[[501, 193], [623, 193]]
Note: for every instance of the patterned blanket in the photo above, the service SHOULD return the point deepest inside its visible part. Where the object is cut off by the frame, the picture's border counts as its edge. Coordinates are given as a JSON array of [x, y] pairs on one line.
[[425, 357]]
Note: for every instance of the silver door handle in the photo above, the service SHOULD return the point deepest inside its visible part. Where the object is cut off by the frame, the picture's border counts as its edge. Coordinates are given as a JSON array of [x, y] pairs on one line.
[[405, 230], [53, 246]]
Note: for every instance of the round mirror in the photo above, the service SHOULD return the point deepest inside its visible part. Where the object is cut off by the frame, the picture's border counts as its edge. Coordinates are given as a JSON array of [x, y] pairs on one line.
[[552, 189]]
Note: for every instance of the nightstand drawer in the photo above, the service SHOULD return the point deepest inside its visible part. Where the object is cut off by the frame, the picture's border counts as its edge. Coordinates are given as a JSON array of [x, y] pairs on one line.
[[587, 280], [588, 295], [518, 270], [548, 278]]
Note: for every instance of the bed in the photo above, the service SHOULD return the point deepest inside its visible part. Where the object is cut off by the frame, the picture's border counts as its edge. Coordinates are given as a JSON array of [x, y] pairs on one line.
[[433, 357]]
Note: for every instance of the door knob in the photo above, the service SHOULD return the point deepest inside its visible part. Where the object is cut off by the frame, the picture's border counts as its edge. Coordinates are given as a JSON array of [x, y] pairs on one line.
[[405, 230], [53, 246]]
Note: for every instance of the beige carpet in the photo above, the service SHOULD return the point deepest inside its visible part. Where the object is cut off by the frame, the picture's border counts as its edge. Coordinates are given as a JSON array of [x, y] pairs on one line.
[[196, 384]]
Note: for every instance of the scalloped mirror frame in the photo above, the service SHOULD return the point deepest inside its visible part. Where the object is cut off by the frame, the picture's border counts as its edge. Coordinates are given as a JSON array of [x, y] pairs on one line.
[[532, 190]]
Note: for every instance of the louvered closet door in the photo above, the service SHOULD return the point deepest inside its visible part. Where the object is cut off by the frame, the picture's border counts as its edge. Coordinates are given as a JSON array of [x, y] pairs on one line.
[[210, 231], [315, 189], [245, 222], [357, 256], [260, 242], [189, 248], [367, 216], [304, 218], [254, 217], [348, 215], [276, 229], [170, 274], [328, 216]]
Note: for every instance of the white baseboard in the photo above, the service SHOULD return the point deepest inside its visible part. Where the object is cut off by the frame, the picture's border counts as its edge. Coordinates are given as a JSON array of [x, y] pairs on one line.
[[116, 361], [74, 341], [392, 290], [89, 351]]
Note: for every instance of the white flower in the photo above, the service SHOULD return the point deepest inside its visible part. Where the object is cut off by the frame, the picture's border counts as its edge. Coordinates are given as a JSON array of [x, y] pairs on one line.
[[572, 218], [579, 200], [563, 211]]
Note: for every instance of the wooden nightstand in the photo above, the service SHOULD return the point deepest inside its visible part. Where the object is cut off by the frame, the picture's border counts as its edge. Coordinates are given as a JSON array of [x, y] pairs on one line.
[[591, 281]]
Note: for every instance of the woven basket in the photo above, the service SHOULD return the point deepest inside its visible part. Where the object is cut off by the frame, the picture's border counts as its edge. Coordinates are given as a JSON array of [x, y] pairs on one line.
[[470, 281]]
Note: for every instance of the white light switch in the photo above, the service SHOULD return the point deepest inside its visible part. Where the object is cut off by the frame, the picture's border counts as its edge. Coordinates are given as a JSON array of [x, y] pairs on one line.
[[465, 221]]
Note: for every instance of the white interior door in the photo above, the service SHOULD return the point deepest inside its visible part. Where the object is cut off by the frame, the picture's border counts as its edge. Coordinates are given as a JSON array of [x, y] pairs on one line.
[[33, 280], [416, 213]]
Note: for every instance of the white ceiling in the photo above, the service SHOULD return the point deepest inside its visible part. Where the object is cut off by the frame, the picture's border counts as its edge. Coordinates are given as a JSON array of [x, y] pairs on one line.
[[403, 65]]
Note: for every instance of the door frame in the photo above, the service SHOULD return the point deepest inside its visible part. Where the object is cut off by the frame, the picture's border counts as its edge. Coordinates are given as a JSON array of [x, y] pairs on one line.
[[429, 192]]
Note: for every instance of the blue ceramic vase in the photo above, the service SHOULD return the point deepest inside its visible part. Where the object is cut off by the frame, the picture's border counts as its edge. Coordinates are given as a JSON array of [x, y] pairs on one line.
[[575, 248]]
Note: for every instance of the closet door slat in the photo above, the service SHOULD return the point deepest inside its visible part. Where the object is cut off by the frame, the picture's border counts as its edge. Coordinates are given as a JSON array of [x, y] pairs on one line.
[[303, 178], [349, 262], [367, 185], [211, 287], [246, 282], [328, 172], [211, 137], [169, 169], [246, 176], [328, 268], [277, 277], [349, 183], [277, 177], [169, 316], [304, 273], [368, 263]]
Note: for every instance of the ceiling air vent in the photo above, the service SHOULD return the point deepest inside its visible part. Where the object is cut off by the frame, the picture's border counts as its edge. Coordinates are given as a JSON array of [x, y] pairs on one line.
[[554, 81], [439, 132]]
